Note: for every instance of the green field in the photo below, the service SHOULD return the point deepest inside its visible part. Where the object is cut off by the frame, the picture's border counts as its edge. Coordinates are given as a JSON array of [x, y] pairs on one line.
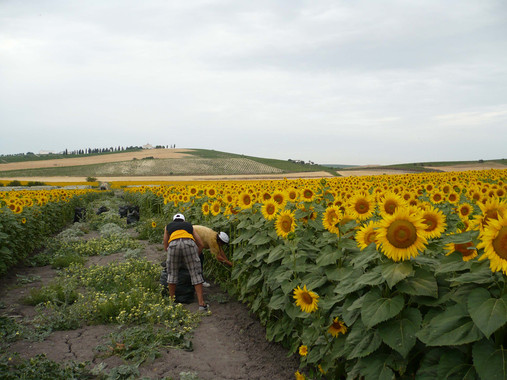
[[201, 162]]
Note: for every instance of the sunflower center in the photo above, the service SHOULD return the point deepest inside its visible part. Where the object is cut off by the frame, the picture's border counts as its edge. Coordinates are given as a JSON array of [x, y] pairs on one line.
[[270, 209], [500, 243], [370, 237], [430, 221], [278, 199], [246, 200], [390, 207], [362, 206], [463, 248], [465, 211], [401, 234], [286, 224], [337, 325], [307, 298]]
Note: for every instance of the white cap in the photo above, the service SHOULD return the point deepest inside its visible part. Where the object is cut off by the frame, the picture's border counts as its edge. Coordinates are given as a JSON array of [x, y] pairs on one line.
[[223, 237], [179, 216]]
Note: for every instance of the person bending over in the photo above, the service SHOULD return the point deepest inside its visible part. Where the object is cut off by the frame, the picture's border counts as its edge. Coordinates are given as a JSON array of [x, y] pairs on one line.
[[183, 244]]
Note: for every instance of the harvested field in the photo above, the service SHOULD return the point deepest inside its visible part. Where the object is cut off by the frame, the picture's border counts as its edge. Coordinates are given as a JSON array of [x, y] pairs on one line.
[[99, 159]]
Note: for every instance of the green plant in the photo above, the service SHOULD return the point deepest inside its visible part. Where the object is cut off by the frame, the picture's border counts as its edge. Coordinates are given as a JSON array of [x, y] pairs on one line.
[[41, 368], [10, 329], [28, 279], [140, 343]]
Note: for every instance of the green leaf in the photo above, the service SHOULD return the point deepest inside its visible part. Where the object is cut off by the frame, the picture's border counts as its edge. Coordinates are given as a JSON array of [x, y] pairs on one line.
[[428, 368], [329, 255], [375, 367], [361, 342], [278, 301], [378, 309], [452, 263], [399, 333], [450, 327], [454, 365], [352, 309], [371, 278], [394, 273], [489, 314], [362, 258], [255, 277], [490, 361], [259, 239], [277, 253], [422, 284], [350, 283], [480, 273]]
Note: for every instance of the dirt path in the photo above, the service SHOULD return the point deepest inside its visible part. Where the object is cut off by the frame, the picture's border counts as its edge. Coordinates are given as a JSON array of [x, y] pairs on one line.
[[228, 344]]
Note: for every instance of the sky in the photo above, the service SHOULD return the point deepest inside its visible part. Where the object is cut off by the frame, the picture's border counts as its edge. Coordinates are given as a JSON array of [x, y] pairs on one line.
[[333, 82]]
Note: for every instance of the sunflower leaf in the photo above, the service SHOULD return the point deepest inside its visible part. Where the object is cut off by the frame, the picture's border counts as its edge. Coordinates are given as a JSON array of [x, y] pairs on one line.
[[375, 367], [422, 284], [489, 314], [480, 273], [490, 361], [450, 327], [399, 333], [377, 309], [394, 272], [454, 365], [259, 239], [361, 342]]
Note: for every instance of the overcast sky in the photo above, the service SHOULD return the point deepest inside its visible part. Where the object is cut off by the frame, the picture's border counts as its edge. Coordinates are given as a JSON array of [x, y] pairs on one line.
[[346, 82]]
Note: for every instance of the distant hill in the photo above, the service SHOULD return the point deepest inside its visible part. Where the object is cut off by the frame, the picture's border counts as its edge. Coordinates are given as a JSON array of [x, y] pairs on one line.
[[154, 162]]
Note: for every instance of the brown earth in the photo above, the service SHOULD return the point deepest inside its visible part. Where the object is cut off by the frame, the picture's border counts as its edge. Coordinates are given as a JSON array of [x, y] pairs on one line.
[[99, 159], [448, 168], [228, 344]]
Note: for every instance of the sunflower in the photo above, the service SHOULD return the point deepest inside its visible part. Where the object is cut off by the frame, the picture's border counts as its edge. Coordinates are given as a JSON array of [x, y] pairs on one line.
[[436, 197], [467, 250], [465, 209], [285, 223], [215, 208], [245, 200], [331, 219], [491, 210], [280, 198], [153, 224], [337, 327], [292, 195], [307, 194], [205, 208], [299, 376], [453, 197], [401, 235], [23, 220], [303, 350], [361, 206], [367, 234], [389, 203], [265, 196], [269, 210], [435, 222], [494, 242], [306, 299]]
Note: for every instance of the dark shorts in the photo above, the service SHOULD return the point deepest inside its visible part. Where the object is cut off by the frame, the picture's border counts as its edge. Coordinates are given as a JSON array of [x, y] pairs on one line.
[[186, 251]]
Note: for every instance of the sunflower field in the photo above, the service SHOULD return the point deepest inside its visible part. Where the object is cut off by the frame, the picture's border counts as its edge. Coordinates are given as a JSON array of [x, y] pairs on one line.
[[375, 277], [28, 217]]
